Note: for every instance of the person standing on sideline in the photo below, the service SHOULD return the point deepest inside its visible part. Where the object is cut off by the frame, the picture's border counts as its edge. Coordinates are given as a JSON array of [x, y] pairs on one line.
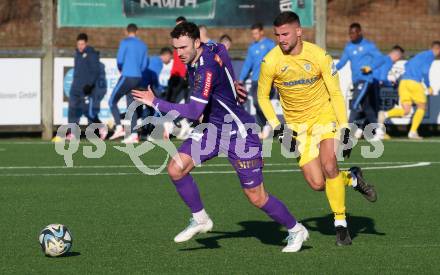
[[132, 60], [364, 59], [256, 52], [85, 76]]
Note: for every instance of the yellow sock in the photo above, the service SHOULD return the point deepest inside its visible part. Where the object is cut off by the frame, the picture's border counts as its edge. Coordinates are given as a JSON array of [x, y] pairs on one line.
[[396, 112], [346, 175], [417, 119], [335, 191]]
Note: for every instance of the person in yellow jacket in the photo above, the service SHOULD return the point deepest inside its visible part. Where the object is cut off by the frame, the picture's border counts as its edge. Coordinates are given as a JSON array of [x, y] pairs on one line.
[[314, 110]]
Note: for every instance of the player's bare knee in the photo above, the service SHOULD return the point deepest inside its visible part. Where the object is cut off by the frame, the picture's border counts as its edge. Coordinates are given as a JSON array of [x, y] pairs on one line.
[[256, 196], [421, 106], [175, 171], [330, 169], [318, 186]]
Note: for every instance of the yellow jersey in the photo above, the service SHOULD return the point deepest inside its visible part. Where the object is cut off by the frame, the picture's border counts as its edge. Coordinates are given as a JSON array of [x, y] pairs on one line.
[[306, 82]]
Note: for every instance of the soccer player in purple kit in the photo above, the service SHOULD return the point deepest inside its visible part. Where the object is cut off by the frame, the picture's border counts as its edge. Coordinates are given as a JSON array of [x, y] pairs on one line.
[[214, 97]]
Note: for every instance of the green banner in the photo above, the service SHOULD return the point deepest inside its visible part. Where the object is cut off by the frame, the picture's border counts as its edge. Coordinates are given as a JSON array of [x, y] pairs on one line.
[[162, 13]]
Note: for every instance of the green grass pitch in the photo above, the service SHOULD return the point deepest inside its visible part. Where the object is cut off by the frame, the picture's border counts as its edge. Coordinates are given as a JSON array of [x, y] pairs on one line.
[[123, 221]]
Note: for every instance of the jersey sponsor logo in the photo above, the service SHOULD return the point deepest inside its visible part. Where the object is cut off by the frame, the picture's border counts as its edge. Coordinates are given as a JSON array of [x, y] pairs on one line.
[[208, 84], [303, 81], [218, 60]]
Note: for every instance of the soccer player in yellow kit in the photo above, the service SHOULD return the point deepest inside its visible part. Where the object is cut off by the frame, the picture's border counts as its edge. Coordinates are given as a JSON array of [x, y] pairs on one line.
[[314, 110]]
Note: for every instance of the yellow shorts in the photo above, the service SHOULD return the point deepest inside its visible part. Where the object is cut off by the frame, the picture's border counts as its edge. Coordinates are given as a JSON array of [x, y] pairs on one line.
[[411, 91], [310, 134]]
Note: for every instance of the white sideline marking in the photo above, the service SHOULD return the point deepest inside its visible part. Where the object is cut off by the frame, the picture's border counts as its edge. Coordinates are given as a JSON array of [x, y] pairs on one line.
[[418, 164], [293, 163]]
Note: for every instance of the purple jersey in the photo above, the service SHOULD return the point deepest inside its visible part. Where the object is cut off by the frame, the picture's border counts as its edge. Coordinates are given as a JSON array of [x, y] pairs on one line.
[[212, 83]]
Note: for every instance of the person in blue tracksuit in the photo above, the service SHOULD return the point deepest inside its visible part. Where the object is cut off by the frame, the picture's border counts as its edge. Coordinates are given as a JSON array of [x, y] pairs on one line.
[[85, 77], [380, 75], [255, 54], [132, 60], [364, 59]]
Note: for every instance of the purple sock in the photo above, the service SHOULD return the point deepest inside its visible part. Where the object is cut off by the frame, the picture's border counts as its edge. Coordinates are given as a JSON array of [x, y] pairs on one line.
[[279, 212], [188, 191]]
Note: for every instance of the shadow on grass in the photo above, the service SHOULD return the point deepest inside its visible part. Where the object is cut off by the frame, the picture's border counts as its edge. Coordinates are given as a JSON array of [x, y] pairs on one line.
[[70, 254], [267, 232], [270, 233], [356, 225]]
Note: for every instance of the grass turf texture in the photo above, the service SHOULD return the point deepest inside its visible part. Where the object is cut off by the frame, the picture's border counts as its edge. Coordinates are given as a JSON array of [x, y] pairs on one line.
[[125, 223]]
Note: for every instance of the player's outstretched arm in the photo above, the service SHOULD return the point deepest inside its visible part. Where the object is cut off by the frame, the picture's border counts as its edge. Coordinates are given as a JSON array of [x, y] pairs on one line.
[[192, 110]]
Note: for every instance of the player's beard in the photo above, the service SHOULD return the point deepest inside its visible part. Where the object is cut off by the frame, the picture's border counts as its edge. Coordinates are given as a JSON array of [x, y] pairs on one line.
[[289, 49]]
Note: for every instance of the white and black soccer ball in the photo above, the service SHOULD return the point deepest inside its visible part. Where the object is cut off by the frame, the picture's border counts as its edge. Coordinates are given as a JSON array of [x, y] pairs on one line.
[[55, 240]]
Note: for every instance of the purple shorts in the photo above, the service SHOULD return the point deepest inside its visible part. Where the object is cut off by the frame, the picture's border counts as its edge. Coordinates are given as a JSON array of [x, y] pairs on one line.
[[244, 154]]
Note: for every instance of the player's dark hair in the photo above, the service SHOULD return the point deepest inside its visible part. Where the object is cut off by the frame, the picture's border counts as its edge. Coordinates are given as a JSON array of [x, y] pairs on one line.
[[165, 50], [82, 36], [257, 26], [286, 17], [398, 48], [180, 19], [435, 43], [132, 28], [186, 29], [225, 37], [355, 25]]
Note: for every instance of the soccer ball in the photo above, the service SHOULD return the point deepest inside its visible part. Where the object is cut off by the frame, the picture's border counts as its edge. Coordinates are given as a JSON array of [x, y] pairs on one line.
[[55, 240]]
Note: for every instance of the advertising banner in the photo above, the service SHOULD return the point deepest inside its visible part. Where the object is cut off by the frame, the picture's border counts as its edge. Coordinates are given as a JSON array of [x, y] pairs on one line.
[[20, 91], [162, 13]]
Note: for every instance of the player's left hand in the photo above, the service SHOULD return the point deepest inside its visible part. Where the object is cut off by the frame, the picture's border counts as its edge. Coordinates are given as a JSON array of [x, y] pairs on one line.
[[346, 143], [146, 97], [366, 69], [242, 93]]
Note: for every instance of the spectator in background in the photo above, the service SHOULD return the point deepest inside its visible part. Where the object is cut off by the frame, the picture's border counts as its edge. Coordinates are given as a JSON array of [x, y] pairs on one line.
[[160, 69], [226, 40], [364, 59], [132, 60], [255, 54], [204, 35], [177, 83], [411, 89], [85, 77], [381, 77]]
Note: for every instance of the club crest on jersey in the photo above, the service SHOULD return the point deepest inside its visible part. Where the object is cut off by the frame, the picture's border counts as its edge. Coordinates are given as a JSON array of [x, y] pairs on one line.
[[208, 84], [307, 67], [84, 55]]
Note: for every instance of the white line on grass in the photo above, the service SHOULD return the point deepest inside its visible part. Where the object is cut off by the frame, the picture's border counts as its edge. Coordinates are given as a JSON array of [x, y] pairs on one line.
[[293, 163], [418, 164]]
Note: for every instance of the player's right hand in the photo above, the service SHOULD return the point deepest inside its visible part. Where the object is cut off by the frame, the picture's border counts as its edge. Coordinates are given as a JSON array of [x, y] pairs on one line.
[[147, 97], [346, 144], [242, 93], [279, 134]]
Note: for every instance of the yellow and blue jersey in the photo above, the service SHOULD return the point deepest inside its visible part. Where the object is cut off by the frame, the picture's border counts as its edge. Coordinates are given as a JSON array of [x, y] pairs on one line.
[[417, 68], [307, 84]]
